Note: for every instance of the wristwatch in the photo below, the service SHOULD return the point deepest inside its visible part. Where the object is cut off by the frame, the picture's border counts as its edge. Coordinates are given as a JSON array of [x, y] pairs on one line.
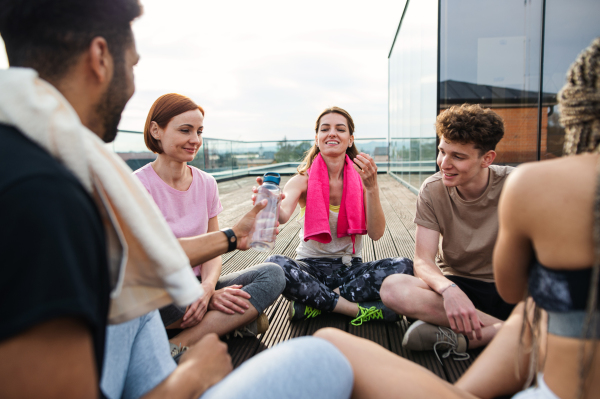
[[231, 239]]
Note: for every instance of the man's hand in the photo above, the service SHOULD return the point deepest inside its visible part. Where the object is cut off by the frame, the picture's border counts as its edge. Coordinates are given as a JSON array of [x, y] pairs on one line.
[[209, 361], [196, 311], [228, 300], [244, 226], [461, 313]]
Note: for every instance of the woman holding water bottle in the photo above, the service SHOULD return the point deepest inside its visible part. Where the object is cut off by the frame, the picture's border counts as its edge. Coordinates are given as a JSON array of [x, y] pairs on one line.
[[189, 200], [336, 187]]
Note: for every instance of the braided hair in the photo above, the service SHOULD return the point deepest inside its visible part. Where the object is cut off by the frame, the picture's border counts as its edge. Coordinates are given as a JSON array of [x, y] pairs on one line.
[[579, 103]]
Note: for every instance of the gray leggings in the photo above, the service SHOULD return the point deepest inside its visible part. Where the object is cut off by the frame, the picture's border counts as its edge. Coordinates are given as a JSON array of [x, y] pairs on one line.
[[264, 283]]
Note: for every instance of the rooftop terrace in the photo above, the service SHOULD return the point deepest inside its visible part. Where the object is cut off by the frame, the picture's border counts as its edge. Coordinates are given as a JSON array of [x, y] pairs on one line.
[[399, 240]]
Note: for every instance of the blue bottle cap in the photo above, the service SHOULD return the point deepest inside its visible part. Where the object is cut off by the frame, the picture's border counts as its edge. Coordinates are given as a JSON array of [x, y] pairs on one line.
[[272, 177]]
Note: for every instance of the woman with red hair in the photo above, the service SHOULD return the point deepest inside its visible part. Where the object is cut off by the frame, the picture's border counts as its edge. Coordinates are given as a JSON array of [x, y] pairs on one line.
[[189, 200]]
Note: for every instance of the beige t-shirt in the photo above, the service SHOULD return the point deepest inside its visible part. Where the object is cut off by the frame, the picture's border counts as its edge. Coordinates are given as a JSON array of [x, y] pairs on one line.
[[468, 228]]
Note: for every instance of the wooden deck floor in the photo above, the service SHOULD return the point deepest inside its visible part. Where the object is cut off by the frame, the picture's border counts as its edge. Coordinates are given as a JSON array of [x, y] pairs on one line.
[[399, 208]]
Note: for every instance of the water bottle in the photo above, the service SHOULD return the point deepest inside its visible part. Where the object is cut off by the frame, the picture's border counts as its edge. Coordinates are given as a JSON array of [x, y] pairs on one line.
[[263, 234]]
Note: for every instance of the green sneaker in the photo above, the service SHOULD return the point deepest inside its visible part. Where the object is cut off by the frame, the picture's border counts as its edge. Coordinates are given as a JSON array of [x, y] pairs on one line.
[[368, 311], [299, 311]]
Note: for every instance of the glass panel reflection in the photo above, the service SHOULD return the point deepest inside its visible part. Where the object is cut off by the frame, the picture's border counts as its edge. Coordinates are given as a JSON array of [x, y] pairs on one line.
[[413, 93], [495, 62], [226, 158]]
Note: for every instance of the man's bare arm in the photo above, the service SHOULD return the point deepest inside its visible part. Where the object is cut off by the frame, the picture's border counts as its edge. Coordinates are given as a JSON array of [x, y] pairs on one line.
[[460, 311], [54, 359], [207, 246], [426, 249]]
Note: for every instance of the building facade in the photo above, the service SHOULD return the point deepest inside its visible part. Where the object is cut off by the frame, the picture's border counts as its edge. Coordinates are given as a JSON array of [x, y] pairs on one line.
[[509, 55]]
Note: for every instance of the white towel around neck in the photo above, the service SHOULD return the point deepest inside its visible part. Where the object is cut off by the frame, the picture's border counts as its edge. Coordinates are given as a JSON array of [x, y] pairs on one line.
[[147, 266]]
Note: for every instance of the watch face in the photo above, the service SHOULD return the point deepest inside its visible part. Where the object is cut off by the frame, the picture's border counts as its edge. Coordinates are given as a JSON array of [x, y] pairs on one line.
[[232, 239]]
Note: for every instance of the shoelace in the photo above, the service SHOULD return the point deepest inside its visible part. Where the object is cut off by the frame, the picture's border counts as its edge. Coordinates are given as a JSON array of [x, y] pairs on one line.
[[178, 349], [241, 332], [371, 313], [311, 312], [449, 338]]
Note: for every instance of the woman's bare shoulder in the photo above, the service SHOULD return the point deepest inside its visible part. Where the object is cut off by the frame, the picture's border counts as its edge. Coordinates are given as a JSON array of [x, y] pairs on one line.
[[554, 172], [551, 182]]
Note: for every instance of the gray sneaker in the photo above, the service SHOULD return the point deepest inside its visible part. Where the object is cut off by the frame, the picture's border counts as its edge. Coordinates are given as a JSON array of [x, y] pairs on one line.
[[258, 326], [422, 336], [177, 351]]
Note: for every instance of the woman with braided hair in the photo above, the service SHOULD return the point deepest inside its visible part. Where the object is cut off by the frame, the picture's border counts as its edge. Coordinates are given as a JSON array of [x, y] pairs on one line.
[[548, 248]]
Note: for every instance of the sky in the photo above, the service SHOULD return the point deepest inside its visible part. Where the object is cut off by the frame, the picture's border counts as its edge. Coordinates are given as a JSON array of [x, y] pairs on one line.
[[264, 70]]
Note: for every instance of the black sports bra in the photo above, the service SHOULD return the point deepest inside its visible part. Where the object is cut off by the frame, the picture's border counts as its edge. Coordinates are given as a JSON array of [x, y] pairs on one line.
[[563, 294], [559, 290]]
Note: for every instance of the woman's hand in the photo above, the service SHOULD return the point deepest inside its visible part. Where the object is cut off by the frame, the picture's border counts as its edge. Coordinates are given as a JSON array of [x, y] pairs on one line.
[[196, 311], [229, 300], [367, 169]]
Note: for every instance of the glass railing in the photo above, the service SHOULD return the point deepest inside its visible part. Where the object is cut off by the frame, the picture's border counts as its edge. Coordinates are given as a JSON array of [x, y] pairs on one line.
[[412, 159], [231, 158]]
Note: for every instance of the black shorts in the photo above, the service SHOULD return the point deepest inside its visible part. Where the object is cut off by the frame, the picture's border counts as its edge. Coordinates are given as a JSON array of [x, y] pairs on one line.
[[484, 296]]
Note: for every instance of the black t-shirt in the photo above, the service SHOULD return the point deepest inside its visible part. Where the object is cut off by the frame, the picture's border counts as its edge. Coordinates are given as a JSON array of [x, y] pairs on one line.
[[53, 260]]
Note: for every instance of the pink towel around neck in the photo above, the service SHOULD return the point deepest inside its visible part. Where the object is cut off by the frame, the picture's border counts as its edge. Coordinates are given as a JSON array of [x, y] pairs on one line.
[[351, 219]]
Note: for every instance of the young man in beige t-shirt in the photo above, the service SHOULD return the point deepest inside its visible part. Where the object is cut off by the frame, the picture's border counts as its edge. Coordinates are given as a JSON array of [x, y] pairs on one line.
[[453, 284]]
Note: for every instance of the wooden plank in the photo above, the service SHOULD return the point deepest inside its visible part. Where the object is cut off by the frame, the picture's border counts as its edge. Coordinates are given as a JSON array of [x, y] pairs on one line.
[[426, 359], [368, 252], [374, 330], [281, 328], [335, 320], [455, 368]]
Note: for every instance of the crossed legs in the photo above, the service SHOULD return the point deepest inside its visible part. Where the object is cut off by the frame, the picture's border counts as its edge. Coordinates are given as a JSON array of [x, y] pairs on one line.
[[412, 297], [328, 285], [263, 282]]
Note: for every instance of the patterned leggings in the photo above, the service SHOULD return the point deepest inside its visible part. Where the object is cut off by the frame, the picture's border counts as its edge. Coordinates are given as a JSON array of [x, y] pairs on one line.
[[311, 281]]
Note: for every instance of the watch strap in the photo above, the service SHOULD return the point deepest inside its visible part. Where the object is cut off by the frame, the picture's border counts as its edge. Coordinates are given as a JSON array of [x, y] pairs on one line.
[[231, 239]]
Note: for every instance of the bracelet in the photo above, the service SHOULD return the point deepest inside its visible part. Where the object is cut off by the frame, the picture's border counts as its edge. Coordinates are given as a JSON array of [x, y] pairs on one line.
[[231, 239], [451, 285]]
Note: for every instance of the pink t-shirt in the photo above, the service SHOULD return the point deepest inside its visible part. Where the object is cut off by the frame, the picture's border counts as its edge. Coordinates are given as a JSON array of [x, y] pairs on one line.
[[186, 212]]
